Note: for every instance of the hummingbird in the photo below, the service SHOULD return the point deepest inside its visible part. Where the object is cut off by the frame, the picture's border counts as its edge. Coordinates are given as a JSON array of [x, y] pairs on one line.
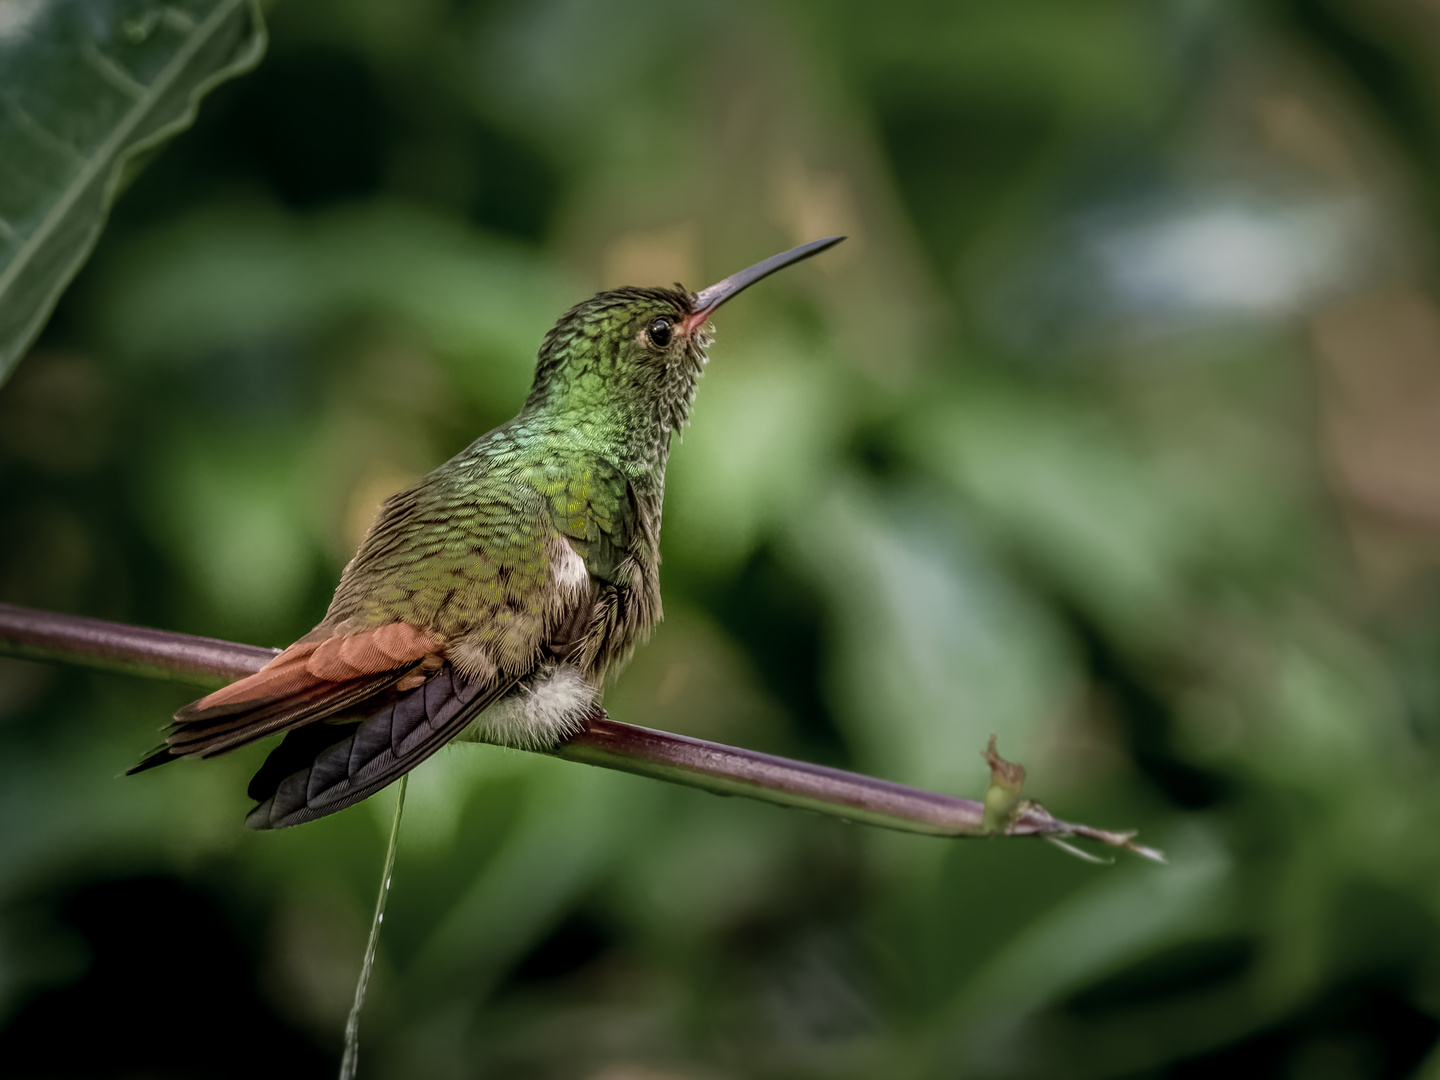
[[492, 599]]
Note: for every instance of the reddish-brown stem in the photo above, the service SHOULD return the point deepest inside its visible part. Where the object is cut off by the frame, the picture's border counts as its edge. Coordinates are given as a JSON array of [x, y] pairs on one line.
[[723, 770]]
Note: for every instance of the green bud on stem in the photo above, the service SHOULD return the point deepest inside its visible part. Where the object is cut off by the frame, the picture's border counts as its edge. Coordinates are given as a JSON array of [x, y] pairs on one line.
[[1002, 798]]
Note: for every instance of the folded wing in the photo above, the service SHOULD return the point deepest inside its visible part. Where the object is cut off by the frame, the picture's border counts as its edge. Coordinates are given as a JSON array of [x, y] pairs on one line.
[[309, 681]]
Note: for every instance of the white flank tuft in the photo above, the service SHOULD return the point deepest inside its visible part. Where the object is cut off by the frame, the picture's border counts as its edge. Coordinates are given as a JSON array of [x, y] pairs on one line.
[[539, 714], [569, 569]]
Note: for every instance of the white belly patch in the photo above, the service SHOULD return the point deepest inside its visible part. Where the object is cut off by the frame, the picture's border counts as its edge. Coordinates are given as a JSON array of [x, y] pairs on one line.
[[538, 714]]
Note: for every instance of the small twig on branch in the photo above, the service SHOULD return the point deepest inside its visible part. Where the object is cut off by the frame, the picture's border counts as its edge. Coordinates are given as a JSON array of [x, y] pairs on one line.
[[723, 770]]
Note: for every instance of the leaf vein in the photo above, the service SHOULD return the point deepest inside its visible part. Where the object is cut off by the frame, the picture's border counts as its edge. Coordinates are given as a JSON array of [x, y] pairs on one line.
[[111, 71], [37, 131], [178, 20]]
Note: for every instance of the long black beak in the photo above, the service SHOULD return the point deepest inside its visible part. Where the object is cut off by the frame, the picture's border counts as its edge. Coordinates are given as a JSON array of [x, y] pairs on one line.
[[708, 299]]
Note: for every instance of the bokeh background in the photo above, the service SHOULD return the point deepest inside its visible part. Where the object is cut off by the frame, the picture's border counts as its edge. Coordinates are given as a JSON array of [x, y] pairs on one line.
[[1114, 429]]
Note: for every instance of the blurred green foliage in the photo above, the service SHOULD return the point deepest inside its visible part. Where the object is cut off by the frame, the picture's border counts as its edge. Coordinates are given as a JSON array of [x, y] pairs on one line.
[[1112, 430]]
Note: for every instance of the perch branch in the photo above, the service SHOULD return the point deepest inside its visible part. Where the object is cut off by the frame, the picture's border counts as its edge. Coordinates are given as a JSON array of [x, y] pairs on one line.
[[723, 770]]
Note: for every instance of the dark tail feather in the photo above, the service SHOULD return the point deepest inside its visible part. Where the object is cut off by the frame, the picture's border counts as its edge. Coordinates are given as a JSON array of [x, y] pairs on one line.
[[300, 747], [161, 755], [340, 766]]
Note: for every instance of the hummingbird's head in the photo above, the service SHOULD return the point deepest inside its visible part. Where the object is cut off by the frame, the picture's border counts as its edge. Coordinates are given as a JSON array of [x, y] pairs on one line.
[[634, 354]]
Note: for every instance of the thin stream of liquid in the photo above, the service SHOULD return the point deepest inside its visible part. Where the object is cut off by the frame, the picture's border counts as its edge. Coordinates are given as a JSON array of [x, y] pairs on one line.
[[351, 1060]]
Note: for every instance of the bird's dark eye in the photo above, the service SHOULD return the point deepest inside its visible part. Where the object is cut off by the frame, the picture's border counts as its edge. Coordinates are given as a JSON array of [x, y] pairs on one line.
[[659, 332]]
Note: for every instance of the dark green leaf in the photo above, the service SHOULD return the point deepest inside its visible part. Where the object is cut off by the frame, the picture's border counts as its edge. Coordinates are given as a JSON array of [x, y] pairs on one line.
[[84, 88]]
